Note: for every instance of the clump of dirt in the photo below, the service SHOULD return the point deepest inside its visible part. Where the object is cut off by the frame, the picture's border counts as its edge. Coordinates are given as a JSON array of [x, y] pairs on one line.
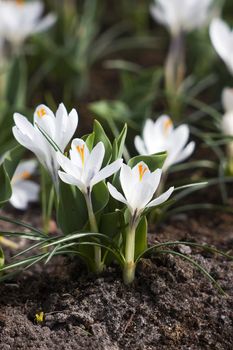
[[171, 305]]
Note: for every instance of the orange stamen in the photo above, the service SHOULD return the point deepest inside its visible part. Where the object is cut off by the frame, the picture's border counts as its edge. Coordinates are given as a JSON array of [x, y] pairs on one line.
[[167, 124], [25, 175], [80, 150], [142, 169], [41, 112]]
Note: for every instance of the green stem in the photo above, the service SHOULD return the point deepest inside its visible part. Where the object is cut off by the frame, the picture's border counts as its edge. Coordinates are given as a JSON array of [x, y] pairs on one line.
[[175, 73], [46, 201], [129, 268], [94, 228]]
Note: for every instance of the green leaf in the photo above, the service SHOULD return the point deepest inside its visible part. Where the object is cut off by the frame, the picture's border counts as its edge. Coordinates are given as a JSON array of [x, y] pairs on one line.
[[116, 110], [5, 187], [72, 212], [17, 83], [109, 223], [12, 159], [141, 237], [119, 144], [89, 139], [100, 135], [2, 258], [100, 197], [153, 161]]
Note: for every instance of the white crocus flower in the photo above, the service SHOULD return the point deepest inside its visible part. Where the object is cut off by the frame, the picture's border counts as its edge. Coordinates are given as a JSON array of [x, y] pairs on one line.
[[161, 136], [139, 185], [221, 36], [19, 19], [24, 190], [181, 15], [83, 169], [59, 128]]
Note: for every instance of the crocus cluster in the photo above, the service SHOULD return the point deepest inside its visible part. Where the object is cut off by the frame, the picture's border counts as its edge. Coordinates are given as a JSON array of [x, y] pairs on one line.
[[82, 167]]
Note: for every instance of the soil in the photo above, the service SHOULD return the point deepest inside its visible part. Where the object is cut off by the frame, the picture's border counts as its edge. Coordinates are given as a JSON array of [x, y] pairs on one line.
[[170, 305]]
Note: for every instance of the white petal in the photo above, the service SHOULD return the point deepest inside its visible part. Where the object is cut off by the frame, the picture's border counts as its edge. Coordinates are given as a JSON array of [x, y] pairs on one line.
[[67, 165], [227, 99], [24, 192], [221, 38], [71, 180], [106, 172], [141, 195], [161, 199], [75, 155], [227, 123], [27, 167], [140, 145], [177, 142], [44, 117], [128, 179], [186, 152], [94, 162], [116, 194]]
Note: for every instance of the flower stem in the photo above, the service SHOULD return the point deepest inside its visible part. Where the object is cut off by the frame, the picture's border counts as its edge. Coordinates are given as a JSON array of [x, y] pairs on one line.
[[175, 72], [129, 268], [94, 228]]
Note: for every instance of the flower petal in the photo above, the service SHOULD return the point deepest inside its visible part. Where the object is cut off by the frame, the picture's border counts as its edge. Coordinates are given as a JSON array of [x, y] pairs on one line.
[[221, 38], [24, 192], [186, 152], [116, 194], [71, 180], [106, 172], [67, 165], [95, 160], [161, 199], [227, 99]]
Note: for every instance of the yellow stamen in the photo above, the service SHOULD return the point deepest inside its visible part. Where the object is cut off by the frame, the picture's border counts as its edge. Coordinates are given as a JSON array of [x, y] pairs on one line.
[[23, 176], [142, 169], [167, 124], [41, 112], [80, 150], [40, 317]]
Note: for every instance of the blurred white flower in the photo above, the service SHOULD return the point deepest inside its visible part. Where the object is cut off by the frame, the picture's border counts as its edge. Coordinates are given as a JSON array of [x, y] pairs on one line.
[[20, 19], [181, 15], [221, 36], [139, 185], [59, 129], [227, 119], [83, 169], [160, 136], [24, 190]]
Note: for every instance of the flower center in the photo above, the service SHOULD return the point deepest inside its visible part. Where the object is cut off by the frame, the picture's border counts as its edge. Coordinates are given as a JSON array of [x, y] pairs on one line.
[[41, 112], [25, 175], [80, 150], [166, 125], [141, 169]]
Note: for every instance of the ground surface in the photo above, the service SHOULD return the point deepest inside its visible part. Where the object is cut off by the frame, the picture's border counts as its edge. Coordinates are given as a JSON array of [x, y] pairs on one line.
[[170, 305]]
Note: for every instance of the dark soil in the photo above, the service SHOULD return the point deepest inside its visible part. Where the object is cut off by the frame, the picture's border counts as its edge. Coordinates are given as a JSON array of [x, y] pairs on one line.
[[170, 306]]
